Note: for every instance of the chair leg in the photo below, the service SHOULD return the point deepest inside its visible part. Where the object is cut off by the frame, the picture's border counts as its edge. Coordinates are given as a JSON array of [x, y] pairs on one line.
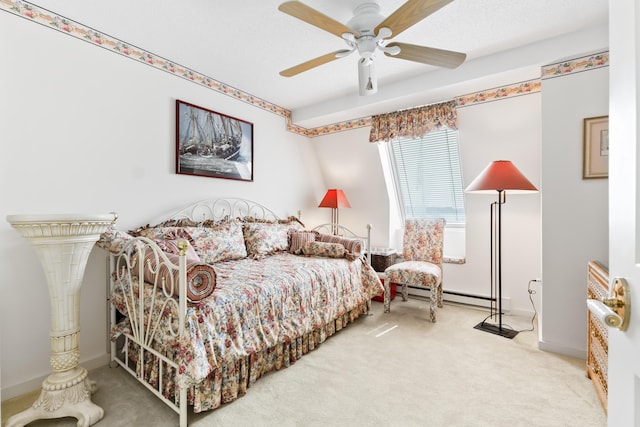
[[405, 292], [387, 297], [433, 303], [440, 297]]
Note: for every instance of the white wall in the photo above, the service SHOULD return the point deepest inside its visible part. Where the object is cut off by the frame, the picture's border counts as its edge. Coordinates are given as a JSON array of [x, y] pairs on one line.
[[574, 210], [86, 130], [350, 162]]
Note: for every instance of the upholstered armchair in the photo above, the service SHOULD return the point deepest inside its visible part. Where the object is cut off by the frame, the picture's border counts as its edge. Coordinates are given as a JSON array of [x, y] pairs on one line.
[[422, 262]]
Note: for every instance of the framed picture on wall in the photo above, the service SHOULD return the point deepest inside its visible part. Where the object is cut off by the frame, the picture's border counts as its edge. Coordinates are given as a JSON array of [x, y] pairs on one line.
[[596, 147], [212, 144]]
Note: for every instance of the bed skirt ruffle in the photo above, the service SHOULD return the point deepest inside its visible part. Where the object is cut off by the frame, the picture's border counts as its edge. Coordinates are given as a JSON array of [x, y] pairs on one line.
[[232, 380]]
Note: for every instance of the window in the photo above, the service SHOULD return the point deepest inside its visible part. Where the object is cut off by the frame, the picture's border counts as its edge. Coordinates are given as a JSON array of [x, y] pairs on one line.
[[428, 177]]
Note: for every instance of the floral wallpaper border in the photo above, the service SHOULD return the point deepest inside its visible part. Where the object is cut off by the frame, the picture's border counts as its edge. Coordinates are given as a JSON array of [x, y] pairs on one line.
[[509, 91], [44, 17], [585, 63]]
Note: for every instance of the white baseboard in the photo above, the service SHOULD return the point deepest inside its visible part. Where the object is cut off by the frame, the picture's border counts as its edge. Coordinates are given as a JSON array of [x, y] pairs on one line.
[[578, 353], [36, 383]]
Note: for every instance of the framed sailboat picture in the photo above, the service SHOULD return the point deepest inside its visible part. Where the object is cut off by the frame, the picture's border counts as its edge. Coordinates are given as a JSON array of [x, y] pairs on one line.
[[212, 144]]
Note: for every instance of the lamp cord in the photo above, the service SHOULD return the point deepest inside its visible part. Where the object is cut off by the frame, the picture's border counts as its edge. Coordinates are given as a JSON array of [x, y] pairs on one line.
[[531, 292], [535, 313]]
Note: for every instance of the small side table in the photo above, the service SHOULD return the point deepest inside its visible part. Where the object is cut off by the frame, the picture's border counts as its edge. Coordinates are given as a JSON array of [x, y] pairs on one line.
[[381, 258], [63, 244]]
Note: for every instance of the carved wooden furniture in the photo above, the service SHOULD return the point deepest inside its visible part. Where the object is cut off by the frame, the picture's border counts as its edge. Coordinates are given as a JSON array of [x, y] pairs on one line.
[[63, 244], [598, 335]]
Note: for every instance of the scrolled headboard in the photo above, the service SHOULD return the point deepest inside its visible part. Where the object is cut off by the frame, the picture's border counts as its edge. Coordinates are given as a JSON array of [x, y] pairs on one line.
[[217, 209]]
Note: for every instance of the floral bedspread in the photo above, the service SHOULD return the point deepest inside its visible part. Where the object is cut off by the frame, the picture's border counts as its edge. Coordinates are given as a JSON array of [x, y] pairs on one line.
[[258, 304]]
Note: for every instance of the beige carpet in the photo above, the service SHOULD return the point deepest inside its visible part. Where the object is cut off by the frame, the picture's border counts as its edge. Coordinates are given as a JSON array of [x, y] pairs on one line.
[[416, 374]]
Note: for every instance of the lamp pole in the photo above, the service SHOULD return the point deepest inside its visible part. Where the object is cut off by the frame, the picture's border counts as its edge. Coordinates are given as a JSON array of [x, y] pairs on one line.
[[496, 270], [501, 200]]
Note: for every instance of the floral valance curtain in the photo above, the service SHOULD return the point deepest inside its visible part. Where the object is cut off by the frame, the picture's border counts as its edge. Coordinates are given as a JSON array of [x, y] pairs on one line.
[[413, 123]]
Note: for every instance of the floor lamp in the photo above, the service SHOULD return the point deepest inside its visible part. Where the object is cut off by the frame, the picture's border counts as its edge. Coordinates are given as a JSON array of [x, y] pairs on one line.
[[500, 176], [334, 199]]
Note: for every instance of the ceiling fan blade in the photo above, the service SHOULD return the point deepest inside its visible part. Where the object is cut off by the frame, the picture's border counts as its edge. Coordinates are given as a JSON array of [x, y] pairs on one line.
[[410, 13], [315, 62], [313, 17], [428, 55]]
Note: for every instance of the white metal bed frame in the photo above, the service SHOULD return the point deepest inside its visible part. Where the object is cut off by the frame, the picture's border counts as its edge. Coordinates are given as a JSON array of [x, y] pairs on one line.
[[143, 330]]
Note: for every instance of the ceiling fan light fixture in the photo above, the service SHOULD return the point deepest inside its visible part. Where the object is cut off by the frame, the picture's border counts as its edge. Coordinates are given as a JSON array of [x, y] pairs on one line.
[[367, 79]]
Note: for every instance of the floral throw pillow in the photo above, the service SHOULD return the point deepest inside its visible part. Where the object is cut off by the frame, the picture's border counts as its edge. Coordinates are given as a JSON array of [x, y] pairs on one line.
[[113, 240], [171, 247], [220, 242], [324, 249], [263, 238]]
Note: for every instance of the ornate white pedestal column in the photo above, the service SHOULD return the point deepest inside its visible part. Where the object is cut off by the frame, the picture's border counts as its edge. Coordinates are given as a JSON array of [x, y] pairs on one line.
[[63, 243]]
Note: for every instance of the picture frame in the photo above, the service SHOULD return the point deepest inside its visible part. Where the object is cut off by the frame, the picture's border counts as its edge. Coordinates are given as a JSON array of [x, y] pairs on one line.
[[212, 144], [596, 147]]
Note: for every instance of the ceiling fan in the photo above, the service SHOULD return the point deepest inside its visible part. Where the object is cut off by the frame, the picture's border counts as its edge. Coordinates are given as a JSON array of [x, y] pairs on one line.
[[368, 32]]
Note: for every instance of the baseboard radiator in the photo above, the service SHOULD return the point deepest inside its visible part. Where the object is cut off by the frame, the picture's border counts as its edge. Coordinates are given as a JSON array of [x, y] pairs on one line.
[[461, 298]]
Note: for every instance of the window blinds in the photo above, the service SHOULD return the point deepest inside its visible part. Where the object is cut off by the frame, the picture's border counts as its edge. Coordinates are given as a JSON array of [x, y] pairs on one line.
[[428, 176]]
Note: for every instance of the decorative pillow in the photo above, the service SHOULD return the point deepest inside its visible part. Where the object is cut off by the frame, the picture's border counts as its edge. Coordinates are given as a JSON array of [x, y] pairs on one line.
[[222, 242], [113, 240], [163, 233], [291, 221], [182, 222], [262, 238], [324, 249], [186, 222], [201, 278], [351, 244], [171, 247], [297, 239]]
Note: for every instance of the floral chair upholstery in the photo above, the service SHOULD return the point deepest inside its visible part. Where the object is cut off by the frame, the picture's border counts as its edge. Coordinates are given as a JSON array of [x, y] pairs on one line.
[[422, 265]]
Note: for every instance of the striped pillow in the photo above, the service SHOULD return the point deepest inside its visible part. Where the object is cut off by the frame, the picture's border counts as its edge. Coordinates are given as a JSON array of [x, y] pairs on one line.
[[297, 239], [353, 245]]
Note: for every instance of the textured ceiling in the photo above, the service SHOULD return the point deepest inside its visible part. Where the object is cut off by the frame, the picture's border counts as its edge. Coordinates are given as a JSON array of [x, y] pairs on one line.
[[246, 44]]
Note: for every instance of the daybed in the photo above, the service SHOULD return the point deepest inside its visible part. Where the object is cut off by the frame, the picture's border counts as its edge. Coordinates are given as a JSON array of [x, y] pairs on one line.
[[230, 293]]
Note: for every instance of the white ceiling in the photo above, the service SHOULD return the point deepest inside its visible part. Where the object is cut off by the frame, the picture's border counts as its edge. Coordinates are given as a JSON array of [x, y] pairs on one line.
[[246, 43]]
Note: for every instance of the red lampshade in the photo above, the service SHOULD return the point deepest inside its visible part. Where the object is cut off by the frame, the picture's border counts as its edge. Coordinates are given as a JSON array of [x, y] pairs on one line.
[[334, 199], [498, 176]]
